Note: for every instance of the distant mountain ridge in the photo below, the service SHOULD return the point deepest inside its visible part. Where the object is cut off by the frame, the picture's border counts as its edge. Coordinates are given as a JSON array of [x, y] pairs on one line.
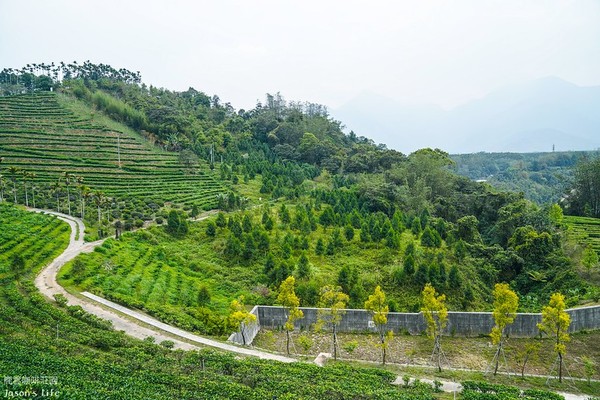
[[534, 116]]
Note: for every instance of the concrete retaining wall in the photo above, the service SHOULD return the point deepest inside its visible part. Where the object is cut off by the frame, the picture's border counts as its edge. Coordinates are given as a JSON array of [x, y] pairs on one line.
[[459, 323], [250, 331], [584, 318]]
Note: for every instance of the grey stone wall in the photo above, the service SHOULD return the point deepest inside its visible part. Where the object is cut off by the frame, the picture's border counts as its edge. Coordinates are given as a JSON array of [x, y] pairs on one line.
[[584, 318], [459, 323]]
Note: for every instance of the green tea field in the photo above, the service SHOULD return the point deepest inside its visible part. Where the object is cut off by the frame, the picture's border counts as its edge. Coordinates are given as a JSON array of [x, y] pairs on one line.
[[584, 230], [48, 134]]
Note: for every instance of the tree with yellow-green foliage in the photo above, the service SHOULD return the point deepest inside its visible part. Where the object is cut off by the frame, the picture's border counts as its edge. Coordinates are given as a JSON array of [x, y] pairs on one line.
[[436, 315], [332, 304], [379, 308], [555, 323], [506, 303], [239, 317], [290, 302]]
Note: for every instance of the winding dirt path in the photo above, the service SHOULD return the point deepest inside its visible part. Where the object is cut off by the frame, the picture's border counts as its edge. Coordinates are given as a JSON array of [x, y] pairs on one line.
[[134, 323]]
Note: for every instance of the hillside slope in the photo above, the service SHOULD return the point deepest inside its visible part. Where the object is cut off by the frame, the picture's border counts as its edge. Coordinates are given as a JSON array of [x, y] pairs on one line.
[[49, 134], [75, 355]]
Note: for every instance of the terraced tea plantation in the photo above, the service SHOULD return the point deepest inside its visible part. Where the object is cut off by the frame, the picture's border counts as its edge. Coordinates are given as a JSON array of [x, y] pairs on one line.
[[584, 231], [28, 240], [49, 134]]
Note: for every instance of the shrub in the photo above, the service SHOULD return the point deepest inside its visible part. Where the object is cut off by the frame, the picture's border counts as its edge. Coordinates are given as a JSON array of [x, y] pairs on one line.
[[60, 299], [305, 342], [350, 346]]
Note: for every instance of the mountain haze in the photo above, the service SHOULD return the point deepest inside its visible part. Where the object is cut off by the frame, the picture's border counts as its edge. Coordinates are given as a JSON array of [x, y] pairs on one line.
[[529, 117]]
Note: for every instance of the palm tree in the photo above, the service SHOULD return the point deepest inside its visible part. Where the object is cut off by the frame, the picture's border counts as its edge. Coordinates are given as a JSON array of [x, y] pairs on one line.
[[99, 200], [84, 194], [2, 187], [56, 189], [26, 176], [79, 182], [14, 171], [68, 177], [33, 189], [1, 183]]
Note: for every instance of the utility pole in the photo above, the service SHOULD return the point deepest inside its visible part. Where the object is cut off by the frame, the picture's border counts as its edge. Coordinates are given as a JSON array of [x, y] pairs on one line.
[[119, 148]]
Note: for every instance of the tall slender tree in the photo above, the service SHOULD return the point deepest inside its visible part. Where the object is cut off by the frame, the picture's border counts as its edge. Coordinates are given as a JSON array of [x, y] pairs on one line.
[[377, 305], [2, 188], [436, 315], [68, 179], [290, 302], [506, 303], [99, 200], [14, 172], [555, 323], [84, 194], [56, 187], [27, 176], [34, 187], [332, 305]]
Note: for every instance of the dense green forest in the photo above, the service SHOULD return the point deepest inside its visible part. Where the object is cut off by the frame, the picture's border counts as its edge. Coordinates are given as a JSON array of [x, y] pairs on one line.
[[542, 177]]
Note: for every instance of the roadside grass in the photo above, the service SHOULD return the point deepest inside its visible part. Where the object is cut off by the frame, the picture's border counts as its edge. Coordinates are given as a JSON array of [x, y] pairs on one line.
[[473, 353]]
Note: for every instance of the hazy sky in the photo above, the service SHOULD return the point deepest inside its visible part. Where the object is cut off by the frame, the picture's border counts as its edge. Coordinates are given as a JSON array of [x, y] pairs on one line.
[[442, 52]]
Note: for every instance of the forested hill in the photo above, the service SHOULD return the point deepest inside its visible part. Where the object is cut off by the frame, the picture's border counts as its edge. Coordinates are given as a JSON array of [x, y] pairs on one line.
[[347, 211], [541, 177], [302, 132]]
